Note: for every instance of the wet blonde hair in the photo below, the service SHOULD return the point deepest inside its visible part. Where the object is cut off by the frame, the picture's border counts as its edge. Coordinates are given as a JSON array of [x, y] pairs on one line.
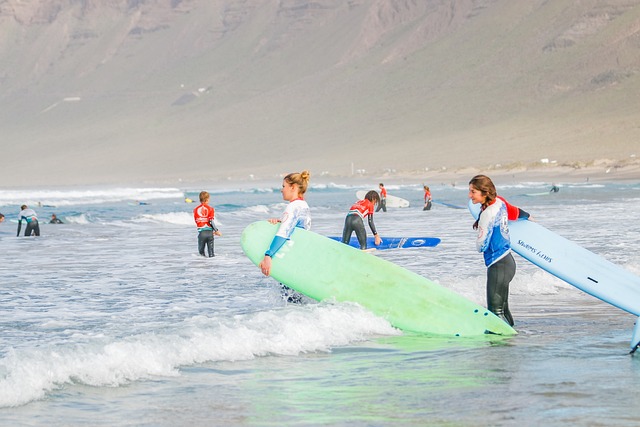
[[301, 179]]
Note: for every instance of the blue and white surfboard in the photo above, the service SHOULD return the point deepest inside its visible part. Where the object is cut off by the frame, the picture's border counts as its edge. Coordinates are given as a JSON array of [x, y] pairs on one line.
[[394, 242]]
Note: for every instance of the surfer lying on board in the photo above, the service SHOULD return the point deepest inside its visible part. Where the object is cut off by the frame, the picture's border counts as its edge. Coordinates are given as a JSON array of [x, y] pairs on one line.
[[295, 215], [355, 220], [493, 241]]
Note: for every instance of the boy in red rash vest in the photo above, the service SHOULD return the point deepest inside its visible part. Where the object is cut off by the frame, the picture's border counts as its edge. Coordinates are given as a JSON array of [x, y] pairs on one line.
[[204, 214]]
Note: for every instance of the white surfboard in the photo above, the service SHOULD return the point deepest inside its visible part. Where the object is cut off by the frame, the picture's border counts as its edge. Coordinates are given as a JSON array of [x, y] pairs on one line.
[[392, 201], [575, 265]]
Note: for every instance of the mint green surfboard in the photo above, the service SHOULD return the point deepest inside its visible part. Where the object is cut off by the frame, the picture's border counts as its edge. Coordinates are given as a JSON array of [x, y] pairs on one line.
[[324, 269]]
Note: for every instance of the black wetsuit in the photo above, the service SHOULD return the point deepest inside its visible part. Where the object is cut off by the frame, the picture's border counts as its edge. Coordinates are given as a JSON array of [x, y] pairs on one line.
[[354, 222], [383, 201], [499, 276], [205, 238]]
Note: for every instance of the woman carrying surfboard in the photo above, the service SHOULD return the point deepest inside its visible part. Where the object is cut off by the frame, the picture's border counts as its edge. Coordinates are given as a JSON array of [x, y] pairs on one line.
[[493, 241], [355, 220], [295, 215]]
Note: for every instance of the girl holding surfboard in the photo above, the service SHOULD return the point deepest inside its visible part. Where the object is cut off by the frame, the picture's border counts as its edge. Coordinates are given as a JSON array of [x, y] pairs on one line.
[[493, 241], [295, 215]]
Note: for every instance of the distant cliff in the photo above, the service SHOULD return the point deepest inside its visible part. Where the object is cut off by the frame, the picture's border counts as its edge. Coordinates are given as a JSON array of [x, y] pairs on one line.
[[121, 90]]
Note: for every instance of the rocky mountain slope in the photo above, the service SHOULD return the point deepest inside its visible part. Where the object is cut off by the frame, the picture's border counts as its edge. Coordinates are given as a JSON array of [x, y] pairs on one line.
[[115, 91]]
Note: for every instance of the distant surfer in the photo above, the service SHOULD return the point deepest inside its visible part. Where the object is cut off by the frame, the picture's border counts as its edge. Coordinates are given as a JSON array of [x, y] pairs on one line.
[[383, 198], [427, 199], [204, 215], [554, 189], [493, 241], [55, 220], [31, 219], [1, 217], [355, 220]]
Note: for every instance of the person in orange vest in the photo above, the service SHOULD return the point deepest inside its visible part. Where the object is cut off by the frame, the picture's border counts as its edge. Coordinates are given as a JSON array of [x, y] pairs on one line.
[[383, 199], [427, 198]]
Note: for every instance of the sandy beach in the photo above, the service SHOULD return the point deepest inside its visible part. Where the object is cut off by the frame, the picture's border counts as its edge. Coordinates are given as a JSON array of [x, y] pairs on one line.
[[603, 170], [596, 171], [599, 170]]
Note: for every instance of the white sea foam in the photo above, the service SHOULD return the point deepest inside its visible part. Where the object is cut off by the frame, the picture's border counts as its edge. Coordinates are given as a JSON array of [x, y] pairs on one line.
[[28, 374], [39, 198], [76, 219], [179, 218]]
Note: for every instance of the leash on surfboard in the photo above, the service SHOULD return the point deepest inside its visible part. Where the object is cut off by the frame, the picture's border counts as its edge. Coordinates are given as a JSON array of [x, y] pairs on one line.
[[635, 347]]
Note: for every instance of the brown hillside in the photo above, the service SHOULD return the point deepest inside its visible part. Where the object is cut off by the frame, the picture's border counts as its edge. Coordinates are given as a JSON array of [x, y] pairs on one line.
[[156, 91]]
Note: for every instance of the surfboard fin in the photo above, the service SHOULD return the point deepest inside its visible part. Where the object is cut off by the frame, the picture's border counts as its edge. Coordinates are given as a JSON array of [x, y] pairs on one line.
[[635, 338]]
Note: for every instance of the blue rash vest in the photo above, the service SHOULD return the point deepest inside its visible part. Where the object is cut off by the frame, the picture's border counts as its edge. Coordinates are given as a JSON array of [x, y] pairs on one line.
[[493, 233]]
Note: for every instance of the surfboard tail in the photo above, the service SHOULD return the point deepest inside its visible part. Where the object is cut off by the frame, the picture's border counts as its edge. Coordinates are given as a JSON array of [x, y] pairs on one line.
[[635, 338]]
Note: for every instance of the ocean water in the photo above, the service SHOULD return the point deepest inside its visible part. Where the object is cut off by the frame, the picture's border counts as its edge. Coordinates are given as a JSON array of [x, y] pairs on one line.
[[113, 319]]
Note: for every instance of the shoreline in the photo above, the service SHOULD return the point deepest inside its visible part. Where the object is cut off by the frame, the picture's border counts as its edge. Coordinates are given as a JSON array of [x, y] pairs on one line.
[[597, 171]]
